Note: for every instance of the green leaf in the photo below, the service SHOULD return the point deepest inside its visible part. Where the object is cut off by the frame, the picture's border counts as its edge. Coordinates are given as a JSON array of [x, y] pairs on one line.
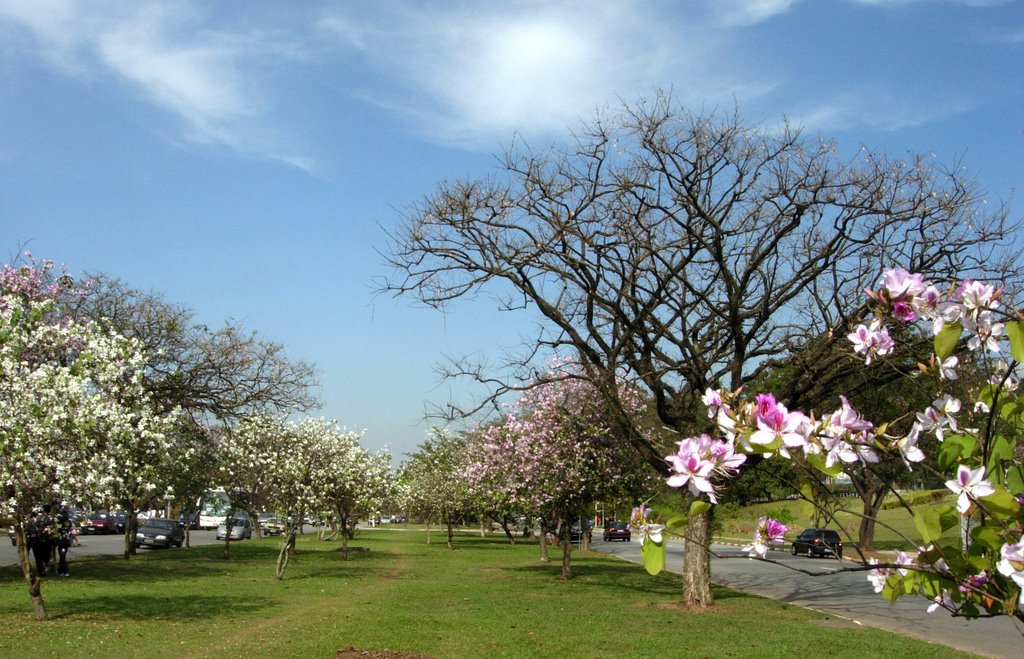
[[1015, 479], [653, 554], [949, 516], [1015, 332], [955, 450], [1001, 503], [893, 588], [929, 585], [945, 341], [677, 522], [928, 525], [987, 536], [699, 507]]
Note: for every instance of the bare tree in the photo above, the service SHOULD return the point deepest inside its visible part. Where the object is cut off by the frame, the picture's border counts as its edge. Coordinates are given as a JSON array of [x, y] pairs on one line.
[[688, 251]]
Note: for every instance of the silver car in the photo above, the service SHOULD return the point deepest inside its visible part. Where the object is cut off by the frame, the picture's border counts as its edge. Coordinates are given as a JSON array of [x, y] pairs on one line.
[[241, 529]]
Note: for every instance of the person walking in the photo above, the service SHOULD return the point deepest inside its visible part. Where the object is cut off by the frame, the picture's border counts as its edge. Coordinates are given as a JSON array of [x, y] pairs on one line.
[[64, 528], [41, 540]]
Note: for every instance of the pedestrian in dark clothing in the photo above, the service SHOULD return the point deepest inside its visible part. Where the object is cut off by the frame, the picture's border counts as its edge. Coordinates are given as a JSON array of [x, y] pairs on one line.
[[63, 528], [41, 540]]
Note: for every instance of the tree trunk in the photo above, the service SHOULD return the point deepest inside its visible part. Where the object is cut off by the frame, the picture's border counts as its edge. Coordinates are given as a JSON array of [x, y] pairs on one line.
[[503, 520], [31, 579], [566, 550], [131, 526], [872, 500], [697, 562], [543, 542], [449, 524], [344, 536], [287, 549]]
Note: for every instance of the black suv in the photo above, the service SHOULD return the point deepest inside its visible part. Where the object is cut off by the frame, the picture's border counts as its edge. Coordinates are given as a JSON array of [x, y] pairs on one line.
[[818, 542]]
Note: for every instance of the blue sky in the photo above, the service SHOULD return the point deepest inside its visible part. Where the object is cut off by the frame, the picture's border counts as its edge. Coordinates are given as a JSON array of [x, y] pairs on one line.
[[244, 159]]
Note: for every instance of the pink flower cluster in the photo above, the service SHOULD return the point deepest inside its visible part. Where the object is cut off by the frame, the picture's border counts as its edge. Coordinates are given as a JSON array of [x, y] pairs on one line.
[[698, 460], [769, 531], [906, 296], [767, 426]]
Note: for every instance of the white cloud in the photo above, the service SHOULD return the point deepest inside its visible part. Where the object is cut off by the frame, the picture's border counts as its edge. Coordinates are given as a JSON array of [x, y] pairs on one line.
[[479, 73], [750, 12], [166, 52], [876, 109]]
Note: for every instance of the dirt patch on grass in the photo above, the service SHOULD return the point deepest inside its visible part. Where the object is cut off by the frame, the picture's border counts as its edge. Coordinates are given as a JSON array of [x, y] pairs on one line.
[[347, 653], [682, 607]]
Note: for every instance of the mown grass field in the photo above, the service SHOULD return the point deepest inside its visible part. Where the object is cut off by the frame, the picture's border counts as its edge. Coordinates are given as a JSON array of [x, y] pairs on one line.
[[485, 599]]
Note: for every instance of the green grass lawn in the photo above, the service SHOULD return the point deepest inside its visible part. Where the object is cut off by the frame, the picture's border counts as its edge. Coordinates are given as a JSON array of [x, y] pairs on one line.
[[485, 599]]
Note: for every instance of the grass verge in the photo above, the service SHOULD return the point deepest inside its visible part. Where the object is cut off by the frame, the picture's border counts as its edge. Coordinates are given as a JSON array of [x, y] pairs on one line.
[[486, 598]]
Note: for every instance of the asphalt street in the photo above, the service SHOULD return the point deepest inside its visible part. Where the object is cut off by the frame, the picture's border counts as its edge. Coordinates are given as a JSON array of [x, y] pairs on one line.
[[832, 587], [93, 545]]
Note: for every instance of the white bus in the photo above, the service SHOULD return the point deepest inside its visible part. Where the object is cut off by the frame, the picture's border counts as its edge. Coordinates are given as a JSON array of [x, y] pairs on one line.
[[213, 508]]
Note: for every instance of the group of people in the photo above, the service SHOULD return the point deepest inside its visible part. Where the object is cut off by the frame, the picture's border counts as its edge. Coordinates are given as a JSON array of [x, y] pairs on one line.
[[49, 536]]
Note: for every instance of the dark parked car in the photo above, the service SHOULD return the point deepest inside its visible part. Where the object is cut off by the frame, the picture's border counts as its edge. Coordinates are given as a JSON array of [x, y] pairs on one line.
[[160, 533], [574, 533], [617, 531], [121, 519], [818, 542], [100, 523], [191, 519]]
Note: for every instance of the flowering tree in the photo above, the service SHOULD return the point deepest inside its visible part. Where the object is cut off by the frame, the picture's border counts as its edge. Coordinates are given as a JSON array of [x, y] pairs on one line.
[[70, 394], [556, 452], [247, 456], [300, 475], [357, 480], [984, 574], [432, 481]]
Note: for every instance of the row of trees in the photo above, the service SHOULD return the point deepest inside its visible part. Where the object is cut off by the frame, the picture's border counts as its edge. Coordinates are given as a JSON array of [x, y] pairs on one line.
[[117, 398], [550, 458]]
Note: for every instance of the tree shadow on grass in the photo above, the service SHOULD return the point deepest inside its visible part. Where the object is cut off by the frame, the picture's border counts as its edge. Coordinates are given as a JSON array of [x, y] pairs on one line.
[[146, 607], [613, 575]]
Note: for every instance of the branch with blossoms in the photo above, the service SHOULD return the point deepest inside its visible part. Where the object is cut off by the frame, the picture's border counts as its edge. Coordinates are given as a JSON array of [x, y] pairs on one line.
[[985, 577]]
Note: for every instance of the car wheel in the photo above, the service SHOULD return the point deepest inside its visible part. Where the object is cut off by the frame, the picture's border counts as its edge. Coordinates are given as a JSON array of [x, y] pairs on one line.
[[793, 550], [138, 546], [810, 553]]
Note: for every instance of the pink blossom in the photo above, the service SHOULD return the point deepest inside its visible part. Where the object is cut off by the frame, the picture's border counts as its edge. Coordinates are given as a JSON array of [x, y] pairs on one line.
[[1011, 564], [969, 484], [768, 531], [873, 341], [697, 459], [712, 398], [908, 448], [781, 425], [902, 285]]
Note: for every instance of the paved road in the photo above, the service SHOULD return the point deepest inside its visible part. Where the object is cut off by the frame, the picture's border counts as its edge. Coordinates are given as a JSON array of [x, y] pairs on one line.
[[93, 545], [846, 594]]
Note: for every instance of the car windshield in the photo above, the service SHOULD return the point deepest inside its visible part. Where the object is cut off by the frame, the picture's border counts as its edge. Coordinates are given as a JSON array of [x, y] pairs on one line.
[[162, 524], [619, 525], [98, 517]]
